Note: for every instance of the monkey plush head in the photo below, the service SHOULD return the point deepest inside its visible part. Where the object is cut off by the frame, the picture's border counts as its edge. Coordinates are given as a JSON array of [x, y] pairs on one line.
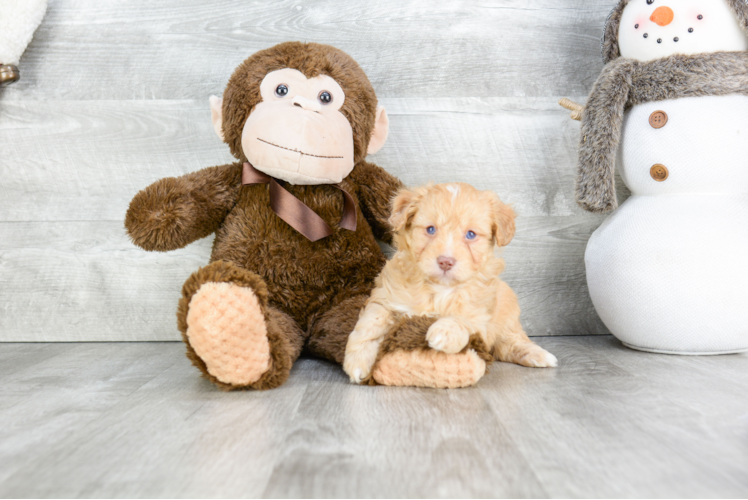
[[302, 112]]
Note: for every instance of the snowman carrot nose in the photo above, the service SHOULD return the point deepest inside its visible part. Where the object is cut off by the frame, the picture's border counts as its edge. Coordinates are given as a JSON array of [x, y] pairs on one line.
[[662, 16]]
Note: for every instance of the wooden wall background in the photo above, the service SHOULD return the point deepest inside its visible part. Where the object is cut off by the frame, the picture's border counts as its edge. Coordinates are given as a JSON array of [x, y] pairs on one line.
[[114, 95]]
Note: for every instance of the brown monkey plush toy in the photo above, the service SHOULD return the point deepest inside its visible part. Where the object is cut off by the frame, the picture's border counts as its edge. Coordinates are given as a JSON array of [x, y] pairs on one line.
[[295, 254]]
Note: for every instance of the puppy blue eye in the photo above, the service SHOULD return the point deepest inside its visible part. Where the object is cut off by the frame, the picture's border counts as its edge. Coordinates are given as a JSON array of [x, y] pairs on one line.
[[470, 235], [431, 229]]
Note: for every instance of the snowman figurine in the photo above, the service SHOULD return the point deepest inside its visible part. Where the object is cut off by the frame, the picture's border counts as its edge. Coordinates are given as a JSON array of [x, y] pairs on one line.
[[668, 270]]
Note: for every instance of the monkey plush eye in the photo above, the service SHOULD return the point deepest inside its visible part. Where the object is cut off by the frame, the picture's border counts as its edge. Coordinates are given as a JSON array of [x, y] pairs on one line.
[[470, 235], [281, 90], [325, 97], [431, 230]]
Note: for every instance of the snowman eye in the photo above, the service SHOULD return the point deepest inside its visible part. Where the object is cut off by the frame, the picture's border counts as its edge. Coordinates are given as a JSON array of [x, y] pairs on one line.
[[650, 2]]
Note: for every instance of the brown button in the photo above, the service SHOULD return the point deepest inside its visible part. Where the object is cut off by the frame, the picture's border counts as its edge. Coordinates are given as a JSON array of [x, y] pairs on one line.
[[659, 172], [658, 119]]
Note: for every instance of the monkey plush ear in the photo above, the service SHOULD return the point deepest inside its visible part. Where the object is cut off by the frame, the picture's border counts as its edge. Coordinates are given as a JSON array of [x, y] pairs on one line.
[[216, 114], [503, 221], [403, 209], [379, 134]]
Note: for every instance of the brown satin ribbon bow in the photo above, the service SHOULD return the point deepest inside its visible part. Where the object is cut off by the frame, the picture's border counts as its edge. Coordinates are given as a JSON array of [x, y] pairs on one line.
[[295, 212]]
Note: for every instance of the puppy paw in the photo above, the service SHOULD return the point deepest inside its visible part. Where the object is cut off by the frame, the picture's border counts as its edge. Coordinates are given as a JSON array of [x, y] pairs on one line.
[[537, 357], [359, 359], [448, 336]]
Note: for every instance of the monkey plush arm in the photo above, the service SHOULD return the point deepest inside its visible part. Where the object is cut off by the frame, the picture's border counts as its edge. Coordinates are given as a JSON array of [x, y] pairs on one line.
[[377, 188], [175, 211]]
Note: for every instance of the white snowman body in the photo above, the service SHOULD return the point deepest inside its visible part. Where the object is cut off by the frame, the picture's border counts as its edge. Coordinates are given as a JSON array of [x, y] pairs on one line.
[[668, 270]]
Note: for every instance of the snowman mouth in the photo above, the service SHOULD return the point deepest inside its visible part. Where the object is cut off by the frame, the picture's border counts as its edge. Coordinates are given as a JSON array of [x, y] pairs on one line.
[[674, 40]]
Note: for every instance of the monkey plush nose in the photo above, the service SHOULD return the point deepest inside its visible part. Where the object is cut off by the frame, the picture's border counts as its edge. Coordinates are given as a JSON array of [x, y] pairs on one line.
[[307, 104], [445, 263], [662, 16]]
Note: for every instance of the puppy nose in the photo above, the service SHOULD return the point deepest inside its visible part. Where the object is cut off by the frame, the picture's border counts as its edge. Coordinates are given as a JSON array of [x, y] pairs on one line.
[[662, 16], [445, 263]]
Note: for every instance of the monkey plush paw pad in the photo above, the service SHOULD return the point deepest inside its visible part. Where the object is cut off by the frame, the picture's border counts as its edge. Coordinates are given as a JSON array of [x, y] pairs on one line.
[[429, 368], [448, 336], [226, 328], [537, 357]]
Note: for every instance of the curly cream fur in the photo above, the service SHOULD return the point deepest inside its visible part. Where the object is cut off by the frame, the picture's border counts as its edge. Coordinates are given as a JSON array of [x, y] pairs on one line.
[[466, 295]]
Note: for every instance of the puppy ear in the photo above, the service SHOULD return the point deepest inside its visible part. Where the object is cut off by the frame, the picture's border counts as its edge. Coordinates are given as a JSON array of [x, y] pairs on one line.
[[503, 221], [403, 209]]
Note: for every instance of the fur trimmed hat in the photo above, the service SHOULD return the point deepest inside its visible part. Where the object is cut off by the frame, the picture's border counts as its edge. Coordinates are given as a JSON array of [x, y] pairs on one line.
[[609, 43]]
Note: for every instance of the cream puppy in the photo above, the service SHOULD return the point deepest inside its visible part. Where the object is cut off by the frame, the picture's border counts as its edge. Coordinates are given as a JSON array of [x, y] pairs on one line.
[[445, 267]]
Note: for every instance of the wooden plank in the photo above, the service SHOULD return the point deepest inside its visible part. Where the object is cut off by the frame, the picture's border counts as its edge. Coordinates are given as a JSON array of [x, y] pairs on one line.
[[353, 442], [654, 425], [79, 281], [135, 420], [45, 401], [84, 281], [545, 267], [416, 48], [15, 357], [85, 160], [175, 425]]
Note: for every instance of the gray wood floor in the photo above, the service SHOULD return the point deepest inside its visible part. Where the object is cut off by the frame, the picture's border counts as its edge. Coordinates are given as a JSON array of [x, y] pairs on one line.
[[135, 420], [114, 95]]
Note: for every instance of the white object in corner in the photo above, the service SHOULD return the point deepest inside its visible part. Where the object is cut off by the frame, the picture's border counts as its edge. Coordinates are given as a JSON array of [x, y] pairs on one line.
[[18, 21]]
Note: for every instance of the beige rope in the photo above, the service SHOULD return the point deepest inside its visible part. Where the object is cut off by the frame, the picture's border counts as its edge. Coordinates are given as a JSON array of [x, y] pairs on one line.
[[576, 109]]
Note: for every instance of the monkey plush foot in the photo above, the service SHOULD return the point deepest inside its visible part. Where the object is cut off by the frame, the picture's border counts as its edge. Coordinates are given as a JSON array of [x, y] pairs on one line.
[[405, 359], [226, 328], [233, 335], [429, 368]]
